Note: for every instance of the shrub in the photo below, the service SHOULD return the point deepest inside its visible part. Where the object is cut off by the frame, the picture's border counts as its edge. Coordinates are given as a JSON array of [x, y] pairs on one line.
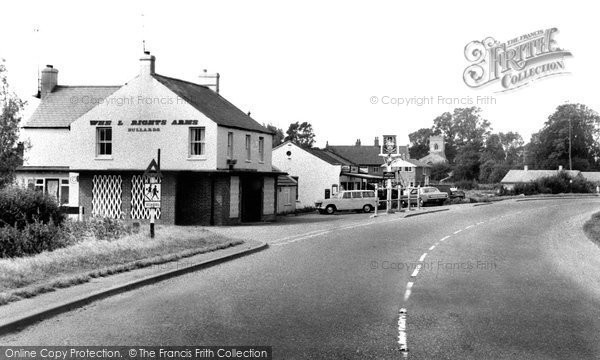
[[98, 228], [34, 238], [466, 184], [19, 206]]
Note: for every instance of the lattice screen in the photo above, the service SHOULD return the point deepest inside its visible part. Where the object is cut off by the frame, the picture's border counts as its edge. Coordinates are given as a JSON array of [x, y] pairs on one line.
[[138, 211], [106, 196]]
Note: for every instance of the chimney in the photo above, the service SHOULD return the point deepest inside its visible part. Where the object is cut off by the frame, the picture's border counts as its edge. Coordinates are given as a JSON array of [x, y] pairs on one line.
[[376, 143], [526, 168], [49, 81], [147, 64], [560, 168], [357, 142]]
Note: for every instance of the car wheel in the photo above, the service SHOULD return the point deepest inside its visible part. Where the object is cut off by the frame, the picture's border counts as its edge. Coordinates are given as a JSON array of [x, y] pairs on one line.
[[367, 208], [330, 209]]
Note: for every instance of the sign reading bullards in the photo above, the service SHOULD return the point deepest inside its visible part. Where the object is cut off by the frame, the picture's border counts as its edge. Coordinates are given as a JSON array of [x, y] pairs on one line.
[[516, 62]]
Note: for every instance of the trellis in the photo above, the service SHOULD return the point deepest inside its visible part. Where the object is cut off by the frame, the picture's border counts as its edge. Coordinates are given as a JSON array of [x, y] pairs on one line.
[[138, 211], [106, 196]]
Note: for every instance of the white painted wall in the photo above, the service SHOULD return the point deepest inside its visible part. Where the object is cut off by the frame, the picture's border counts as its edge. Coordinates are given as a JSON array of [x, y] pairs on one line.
[[314, 174], [49, 147], [239, 149]]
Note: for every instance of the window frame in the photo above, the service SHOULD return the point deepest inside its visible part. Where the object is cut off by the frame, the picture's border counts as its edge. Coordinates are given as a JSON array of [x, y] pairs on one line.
[[201, 142], [248, 146], [261, 149], [100, 142], [230, 138]]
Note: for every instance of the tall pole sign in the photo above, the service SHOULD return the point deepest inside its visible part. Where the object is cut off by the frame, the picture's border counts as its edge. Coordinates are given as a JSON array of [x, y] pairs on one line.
[[152, 190], [389, 151]]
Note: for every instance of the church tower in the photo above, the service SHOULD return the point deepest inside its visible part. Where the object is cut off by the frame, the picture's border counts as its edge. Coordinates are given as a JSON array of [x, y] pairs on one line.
[[437, 145]]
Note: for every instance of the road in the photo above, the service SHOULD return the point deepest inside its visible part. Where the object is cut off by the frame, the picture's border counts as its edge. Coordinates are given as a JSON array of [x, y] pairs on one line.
[[511, 280]]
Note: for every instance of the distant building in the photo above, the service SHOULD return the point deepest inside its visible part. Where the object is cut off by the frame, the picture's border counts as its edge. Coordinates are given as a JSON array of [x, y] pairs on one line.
[[437, 152], [525, 176], [417, 175], [287, 193], [319, 173]]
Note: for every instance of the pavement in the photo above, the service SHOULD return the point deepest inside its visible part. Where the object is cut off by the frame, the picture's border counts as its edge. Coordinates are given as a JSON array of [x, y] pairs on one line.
[[513, 280]]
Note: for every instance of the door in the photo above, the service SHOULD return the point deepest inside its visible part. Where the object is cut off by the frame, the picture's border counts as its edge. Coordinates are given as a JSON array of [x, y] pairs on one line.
[[251, 199], [52, 188]]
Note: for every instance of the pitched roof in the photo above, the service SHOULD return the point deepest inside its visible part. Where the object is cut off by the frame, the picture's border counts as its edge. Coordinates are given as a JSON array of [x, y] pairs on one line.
[[66, 104], [522, 176], [418, 163], [593, 176], [362, 154], [211, 104], [328, 156]]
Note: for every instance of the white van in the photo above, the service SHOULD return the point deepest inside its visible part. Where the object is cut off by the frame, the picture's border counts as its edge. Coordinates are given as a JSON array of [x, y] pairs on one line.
[[365, 200]]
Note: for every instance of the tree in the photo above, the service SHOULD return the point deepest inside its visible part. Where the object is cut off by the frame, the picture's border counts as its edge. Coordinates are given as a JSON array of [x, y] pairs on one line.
[[549, 148], [301, 134], [463, 128], [278, 135], [11, 152], [512, 143], [467, 163], [440, 171], [419, 141], [493, 151]]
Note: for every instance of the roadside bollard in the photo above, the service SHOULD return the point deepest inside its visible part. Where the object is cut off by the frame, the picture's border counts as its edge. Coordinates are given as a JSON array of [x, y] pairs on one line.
[[419, 197], [376, 205]]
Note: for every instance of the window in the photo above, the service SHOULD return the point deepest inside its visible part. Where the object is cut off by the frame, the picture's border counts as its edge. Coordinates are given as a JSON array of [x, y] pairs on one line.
[[39, 184], [435, 147], [376, 169], [347, 195], [230, 145], [197, 141], [408, 169], [248, 148], [261, 149], [57, 188], [103, 141], [64, 191], [357, 195]]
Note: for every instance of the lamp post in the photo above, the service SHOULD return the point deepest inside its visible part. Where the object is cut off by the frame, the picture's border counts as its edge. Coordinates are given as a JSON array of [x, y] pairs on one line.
[[570, 162]]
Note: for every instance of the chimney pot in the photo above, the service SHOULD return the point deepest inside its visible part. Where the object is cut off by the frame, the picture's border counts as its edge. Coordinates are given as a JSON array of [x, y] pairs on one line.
[[376, 143]]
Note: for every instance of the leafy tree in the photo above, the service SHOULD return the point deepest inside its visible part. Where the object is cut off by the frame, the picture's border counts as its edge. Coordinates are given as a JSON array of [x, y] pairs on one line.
[[493, 151], [549, 148], [301, 134], [11, 152], [464, 128], [440, 171], [419, 141], [278, 135], [467, 163], [512, 143]]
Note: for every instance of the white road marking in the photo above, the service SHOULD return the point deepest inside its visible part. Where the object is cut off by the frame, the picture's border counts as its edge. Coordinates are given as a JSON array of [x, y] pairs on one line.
[[432, 247], [468, 227], [408, 290], [301, 238], [422, 257], [481, 222], [416, 272], [445, 237], [457, 231], [402, 330]]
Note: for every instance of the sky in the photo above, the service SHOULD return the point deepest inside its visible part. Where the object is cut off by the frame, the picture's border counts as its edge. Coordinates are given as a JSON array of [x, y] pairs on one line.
[[315, 61]]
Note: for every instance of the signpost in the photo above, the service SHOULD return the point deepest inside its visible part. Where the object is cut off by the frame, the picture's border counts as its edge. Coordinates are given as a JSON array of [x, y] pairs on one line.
[[389, 150], [152, 190]]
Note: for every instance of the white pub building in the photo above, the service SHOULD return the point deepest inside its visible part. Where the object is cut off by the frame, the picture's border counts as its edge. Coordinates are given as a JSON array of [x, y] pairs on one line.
[[90, 146]]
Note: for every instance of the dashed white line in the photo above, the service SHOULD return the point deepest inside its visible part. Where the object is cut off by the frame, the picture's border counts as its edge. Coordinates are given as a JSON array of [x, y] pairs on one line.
[[444, 238], [468, 227], [457, 231], [408, 290], [416, 272], [402, 330], [432, 247], [422, 257]]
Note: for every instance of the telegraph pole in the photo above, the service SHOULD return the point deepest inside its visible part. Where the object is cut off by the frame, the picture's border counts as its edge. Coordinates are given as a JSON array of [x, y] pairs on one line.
[[570, 162]]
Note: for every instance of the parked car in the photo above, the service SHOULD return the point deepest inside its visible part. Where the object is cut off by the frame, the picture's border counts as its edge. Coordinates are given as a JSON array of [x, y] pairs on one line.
[[428, 195], [348, 200], [453, 192]]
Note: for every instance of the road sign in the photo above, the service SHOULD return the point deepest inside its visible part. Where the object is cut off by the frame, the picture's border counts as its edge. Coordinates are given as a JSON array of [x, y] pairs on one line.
[[152, 193], [389, 175]]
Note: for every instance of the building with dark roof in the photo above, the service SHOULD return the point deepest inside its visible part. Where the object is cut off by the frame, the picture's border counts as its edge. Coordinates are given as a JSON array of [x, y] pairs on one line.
[[90, 146], [524, 176]]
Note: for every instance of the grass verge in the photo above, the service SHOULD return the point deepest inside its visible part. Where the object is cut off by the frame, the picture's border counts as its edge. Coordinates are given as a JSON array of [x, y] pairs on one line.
[[26, 277], [592, 228]]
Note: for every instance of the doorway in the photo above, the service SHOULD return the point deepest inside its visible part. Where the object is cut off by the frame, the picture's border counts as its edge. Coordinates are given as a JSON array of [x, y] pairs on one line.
[[251, 199]]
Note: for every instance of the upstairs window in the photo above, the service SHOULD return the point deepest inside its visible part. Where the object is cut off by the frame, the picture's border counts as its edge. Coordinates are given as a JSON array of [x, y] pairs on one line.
[[230, 145], [248, 148], [103, 141], [261, 149], [197, 141]]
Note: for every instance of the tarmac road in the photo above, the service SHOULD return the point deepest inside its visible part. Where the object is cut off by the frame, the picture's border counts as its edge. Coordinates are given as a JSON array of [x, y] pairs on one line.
[[512, 280]]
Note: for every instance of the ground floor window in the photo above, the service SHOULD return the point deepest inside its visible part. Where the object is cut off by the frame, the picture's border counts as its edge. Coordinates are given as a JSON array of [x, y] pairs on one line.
[[107, 196], [56, 187]]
